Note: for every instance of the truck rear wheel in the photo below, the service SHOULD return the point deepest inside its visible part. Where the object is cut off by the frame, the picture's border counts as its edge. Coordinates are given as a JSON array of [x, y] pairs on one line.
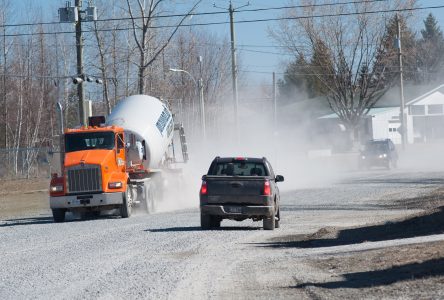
[[205, 221], [126, 207], [269, 223], [215, 222], [58, 215], [277, 219]]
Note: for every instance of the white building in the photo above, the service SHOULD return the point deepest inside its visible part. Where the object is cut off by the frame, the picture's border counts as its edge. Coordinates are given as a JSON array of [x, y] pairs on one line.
[[380, 123], [424, 118], [427, 115]]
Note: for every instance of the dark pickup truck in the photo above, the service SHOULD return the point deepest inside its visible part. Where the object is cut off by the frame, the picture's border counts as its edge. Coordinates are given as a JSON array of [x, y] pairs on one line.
[[240, 188]]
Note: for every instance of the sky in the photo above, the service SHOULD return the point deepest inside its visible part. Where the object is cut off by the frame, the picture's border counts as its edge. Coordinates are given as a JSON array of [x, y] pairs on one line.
[[257, 52], [257, 34]]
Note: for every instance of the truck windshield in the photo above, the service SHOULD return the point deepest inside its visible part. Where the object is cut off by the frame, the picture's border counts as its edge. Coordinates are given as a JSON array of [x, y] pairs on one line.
[[376, 148], [241, 168], [89, 140]]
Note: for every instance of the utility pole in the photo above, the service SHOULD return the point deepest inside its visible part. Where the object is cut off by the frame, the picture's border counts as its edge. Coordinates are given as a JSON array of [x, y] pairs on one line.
[[274, 105], [231, 11], [234, 71], [5, 94], [75, 14], [202, 102], [401, 85], [79, 46]]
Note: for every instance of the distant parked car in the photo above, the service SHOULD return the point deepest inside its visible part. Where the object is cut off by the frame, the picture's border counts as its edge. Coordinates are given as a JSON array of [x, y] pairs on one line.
[[379, 153], [240, 188]]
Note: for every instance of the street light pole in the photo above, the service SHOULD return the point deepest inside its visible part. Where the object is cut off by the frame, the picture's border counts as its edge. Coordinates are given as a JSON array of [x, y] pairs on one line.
[[199, 85]]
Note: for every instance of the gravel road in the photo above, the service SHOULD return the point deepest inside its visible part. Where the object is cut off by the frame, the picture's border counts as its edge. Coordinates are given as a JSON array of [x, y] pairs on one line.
[[167, 256]]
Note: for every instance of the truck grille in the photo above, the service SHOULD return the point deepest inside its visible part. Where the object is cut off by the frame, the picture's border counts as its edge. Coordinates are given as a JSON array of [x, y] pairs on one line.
[[84, 179]]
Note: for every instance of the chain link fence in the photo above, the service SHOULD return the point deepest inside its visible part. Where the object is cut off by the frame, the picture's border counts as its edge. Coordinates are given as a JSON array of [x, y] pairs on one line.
[[25, 163]]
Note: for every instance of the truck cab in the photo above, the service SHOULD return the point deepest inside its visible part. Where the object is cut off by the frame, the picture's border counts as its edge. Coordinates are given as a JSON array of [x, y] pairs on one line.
[[93, 172]]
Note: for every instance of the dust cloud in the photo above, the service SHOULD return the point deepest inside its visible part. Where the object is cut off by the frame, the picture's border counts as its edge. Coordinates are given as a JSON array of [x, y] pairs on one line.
[[307, 155], [284, 141]]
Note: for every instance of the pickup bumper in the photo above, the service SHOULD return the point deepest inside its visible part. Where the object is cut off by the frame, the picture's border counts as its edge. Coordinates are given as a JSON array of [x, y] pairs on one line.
[[82, 201], [237, 210]]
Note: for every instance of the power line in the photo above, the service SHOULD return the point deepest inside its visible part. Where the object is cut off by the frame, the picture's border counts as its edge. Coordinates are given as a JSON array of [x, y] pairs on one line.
[[201, 13], [310, 5], [237, 22]]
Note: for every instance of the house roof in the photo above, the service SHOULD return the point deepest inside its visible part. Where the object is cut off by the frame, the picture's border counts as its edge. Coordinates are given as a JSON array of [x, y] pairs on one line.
[[372, 112], [434, 96]]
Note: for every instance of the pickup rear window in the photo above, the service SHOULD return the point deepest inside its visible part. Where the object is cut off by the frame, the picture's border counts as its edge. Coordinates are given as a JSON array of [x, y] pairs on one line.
[[238, 168]]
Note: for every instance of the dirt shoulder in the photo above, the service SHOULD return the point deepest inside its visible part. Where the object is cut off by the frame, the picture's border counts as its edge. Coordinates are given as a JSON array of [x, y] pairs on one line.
[[410, 271], [23, 197]]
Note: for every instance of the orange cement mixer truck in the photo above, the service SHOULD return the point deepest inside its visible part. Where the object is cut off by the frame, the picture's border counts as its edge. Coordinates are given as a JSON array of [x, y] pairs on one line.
[[117, 163]]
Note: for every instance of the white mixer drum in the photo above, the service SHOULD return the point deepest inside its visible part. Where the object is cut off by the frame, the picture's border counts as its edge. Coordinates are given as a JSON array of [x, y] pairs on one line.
[[150, 121]]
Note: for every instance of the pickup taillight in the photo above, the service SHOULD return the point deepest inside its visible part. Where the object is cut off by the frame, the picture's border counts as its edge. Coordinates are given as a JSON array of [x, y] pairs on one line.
[[203, 188], [267, 188]]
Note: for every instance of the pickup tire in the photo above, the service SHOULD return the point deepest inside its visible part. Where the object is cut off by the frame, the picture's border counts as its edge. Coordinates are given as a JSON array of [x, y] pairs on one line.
[[215, 222], [205, 221], [277, 219], [58, 215], [270, 223], [125, 208]]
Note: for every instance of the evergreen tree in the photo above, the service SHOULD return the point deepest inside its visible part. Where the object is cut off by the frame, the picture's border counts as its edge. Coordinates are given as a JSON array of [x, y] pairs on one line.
[[431, 47], [295, 79], [387, 57]]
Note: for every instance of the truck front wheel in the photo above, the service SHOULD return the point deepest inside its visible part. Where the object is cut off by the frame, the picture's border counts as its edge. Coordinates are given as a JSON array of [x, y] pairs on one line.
[[125, 209], [58, 215]]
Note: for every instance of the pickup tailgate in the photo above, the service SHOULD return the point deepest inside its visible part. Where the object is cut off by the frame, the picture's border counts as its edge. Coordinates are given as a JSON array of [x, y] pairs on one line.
[[236, 190]]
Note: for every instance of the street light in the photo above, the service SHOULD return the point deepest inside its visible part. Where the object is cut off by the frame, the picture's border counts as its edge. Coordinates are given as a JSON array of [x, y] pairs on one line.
[[199, 85]]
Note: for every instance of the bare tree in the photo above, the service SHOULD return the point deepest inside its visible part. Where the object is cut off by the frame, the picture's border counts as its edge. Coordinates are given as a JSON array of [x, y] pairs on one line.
[[214, 71], [344, 52], [149, 44]]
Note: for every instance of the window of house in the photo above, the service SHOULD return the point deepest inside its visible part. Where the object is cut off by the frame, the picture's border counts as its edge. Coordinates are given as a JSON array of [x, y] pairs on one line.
[[434, 109], [417, 110]]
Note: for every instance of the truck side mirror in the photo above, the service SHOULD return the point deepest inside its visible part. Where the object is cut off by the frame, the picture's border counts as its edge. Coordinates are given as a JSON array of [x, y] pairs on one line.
[[279, 178]]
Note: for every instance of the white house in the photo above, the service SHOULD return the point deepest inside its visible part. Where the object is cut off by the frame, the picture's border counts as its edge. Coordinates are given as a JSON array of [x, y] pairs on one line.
[[427, 115], [380, 123], [424, 120]]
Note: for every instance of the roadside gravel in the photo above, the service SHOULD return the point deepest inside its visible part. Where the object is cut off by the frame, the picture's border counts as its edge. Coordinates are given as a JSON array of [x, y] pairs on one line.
[[167, 256]]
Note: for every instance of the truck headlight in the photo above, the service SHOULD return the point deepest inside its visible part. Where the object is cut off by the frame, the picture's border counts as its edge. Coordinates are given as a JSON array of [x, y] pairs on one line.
[[363, 157], [115, 185], [56, 188]]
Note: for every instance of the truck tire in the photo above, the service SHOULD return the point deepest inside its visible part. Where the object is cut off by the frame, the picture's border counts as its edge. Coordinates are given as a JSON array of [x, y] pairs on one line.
[[147, 198], [277, 219], [269, 223], [215, 222], [205, 221], [125, 208], [58, 215]]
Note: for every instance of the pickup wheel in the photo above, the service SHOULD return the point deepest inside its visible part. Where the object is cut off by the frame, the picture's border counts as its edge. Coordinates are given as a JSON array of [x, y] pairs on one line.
[[58, 215], [277, 219], [205, 221], [126, 207], [215, 222], [269, 223]]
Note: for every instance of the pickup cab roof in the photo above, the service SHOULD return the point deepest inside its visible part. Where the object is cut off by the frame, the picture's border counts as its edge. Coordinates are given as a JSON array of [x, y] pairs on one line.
[[240, 166]]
